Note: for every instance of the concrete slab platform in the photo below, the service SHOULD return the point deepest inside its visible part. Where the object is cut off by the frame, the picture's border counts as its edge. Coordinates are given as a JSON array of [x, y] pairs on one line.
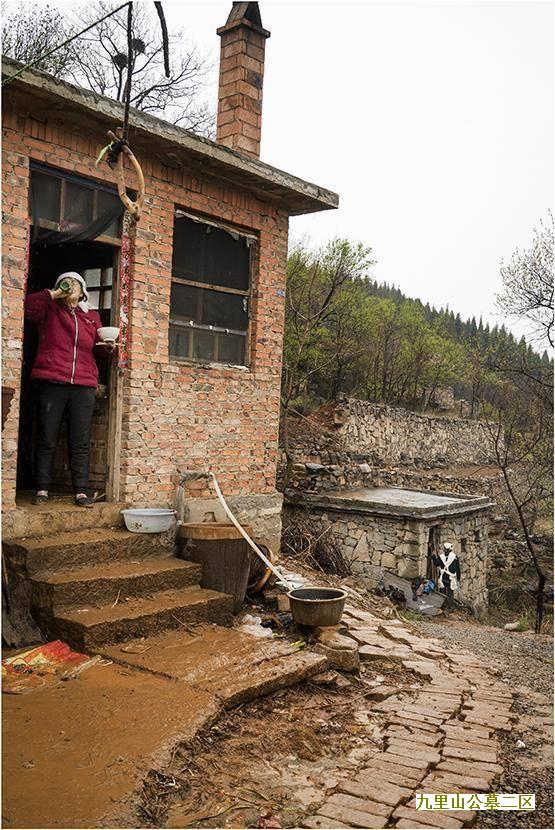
[[396, 501], [234, 667]]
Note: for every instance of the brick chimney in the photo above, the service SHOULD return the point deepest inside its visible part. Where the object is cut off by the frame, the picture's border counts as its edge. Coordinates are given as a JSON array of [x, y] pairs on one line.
[[239, 122]]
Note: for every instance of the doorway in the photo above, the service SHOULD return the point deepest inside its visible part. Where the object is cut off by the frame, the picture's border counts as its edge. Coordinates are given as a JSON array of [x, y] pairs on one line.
[[97, 262], [434, 546]]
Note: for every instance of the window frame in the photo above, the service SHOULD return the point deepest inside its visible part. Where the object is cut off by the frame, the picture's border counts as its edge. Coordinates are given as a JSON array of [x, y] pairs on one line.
[[69, 178], [180, 213], [103, 288]]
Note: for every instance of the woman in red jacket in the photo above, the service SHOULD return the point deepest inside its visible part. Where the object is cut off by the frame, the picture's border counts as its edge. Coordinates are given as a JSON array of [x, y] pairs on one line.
[[66, 369]]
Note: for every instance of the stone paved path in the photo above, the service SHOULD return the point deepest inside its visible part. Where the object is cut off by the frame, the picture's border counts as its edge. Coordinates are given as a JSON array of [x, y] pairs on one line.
[[440, 738]]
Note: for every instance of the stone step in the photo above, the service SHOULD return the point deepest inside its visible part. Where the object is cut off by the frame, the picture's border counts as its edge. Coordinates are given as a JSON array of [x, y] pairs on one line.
[[96, 586], [233, 666], [88, 628], [85, 548], [58, 516]]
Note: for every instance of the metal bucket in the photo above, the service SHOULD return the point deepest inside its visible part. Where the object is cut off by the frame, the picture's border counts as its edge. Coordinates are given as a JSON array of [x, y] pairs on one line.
[[317, 606]]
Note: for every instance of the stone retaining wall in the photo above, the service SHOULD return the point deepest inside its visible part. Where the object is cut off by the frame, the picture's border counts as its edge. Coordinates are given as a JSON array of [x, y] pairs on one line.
[[392, 436]]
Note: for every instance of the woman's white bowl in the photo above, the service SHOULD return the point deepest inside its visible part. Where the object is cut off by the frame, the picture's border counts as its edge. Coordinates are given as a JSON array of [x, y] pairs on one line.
[[148, 519], [108, 332]]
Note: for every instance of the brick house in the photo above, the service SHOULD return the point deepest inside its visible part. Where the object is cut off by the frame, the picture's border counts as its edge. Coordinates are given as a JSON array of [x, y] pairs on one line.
[[197, 285]]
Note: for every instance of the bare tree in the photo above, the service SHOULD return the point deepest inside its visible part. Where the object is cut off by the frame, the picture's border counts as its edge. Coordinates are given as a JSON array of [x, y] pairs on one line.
[[31, 30], [528, 283], [520, 428], [98, 60]]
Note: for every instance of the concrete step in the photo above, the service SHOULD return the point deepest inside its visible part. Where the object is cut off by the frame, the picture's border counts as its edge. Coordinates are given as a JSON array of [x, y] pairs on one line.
[[87, 628], [233, 666], [58, 516], [96, 586], [88, 547]]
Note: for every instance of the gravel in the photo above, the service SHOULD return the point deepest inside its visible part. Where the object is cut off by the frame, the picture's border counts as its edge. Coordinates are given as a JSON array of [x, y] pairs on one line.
[[518, 779], [526, 659]]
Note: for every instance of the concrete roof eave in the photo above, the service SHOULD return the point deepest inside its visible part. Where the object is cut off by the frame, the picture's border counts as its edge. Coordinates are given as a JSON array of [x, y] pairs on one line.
[[170, 144], [419, 506]]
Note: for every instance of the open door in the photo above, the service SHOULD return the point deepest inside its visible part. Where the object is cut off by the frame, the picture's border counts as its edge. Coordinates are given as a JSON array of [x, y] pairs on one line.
[[434, 542], [76, 227]]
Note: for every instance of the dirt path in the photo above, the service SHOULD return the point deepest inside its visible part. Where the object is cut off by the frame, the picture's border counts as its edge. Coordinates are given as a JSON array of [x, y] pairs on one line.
[[526, 663], [342, 750]]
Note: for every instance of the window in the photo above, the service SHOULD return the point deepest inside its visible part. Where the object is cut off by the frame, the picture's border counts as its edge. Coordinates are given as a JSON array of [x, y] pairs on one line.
[[210, 294], [99, 285], [63, 203]]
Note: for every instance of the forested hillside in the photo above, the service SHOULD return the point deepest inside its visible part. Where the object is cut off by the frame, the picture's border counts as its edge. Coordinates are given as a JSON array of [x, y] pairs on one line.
[[346, 333]]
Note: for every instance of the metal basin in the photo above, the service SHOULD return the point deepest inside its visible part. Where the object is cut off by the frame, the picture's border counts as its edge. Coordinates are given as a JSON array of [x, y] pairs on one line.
[[317, 606]]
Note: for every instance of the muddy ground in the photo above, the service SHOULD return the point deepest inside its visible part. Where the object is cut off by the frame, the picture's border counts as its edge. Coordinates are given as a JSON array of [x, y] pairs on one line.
[[267, 764]]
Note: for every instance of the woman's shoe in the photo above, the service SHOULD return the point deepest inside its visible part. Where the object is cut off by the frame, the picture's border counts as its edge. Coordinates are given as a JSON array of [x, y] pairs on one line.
[[39, 498], [84, 501]]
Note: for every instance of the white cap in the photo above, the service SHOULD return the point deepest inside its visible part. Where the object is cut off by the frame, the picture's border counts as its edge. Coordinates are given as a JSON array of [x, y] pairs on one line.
[[447, 546], [73, 275]]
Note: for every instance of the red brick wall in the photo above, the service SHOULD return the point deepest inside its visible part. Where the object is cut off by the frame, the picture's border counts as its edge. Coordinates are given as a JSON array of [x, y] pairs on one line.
[[174, 415]]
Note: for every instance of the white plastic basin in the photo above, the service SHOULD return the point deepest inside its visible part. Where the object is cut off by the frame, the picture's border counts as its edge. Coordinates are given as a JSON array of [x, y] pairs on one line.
[[148, 519]]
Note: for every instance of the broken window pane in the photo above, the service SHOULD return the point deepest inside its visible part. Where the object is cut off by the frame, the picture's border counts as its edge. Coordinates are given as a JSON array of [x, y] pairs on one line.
[[209, 308], [205, 253]]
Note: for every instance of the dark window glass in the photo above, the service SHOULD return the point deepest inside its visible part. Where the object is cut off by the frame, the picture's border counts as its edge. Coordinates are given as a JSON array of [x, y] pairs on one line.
[[179, 341], [231, 348], [209, 308], [108, 202], [203, 345], [220, 260], [46, 194], [78, 205], [188, 247], [204, 253]]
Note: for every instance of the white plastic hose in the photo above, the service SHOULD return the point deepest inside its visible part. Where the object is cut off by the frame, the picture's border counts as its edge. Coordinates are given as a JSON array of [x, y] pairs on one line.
[[246, 536]]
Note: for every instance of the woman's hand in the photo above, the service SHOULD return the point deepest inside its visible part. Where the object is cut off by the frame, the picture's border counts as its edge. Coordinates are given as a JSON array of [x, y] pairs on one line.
[[109, 345], [71, 297]]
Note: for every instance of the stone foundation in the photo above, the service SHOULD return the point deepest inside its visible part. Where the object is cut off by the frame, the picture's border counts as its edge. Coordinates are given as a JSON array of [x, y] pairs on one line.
[[374, 544], [261, 512]]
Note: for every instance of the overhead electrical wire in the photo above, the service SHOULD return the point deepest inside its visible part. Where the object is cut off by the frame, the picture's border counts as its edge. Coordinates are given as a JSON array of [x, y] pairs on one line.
[[61, 45]]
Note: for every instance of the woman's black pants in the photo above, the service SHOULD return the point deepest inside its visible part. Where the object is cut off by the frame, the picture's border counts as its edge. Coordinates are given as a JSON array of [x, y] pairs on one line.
[[77, 403]]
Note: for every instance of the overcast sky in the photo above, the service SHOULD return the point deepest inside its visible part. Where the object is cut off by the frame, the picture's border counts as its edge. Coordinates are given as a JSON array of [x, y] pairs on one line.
[[432, 120]]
